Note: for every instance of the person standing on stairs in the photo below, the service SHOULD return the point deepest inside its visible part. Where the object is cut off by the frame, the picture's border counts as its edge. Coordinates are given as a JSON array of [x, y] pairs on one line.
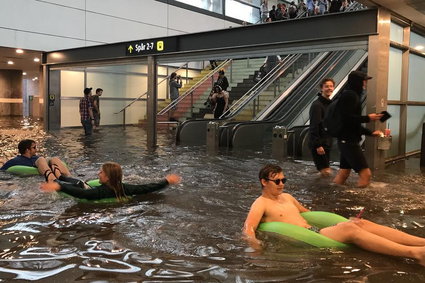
[[222, 80], [175, 84], [220, 98]]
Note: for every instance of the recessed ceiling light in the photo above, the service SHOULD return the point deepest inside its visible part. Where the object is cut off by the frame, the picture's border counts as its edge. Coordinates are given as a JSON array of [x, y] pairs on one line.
[[36, 59], [35, 78], [419, 47], [10, 62], [20, 51], [24, 73]]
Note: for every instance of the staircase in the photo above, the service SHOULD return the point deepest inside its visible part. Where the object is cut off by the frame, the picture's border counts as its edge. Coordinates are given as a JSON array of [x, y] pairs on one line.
[[240, 81], [272, 91]]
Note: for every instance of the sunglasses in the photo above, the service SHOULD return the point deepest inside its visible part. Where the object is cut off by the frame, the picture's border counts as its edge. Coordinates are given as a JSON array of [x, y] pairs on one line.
[[277, 181]]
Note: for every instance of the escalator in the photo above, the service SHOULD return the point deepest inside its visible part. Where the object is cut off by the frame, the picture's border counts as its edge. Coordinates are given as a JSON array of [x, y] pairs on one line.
[[192, 132], [292, 109]]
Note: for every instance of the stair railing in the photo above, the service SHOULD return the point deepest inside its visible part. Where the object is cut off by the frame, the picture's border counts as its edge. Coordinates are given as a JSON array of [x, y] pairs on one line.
[[268, 79], [190, 91], [145, 93]]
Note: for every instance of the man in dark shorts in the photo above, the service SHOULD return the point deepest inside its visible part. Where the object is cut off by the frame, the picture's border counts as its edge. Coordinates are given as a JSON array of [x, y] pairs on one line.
[[274, 205], [320, 141], [28, 150], [350, 107]]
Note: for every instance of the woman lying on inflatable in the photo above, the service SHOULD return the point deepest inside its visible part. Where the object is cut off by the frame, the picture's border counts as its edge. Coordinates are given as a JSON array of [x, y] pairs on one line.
[[275, 211], [110, 187]]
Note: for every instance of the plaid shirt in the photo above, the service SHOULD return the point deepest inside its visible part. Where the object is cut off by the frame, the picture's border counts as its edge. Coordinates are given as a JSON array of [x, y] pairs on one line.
[[85, 105]]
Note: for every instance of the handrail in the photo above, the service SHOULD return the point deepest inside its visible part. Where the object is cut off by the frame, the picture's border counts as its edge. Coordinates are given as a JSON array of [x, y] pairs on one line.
[[190, 90], [263, 83], [265, 112], [145, 93]]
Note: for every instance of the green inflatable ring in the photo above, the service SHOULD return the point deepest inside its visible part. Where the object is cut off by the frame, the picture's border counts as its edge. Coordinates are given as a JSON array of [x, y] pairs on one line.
[[92, 183], [23, 170], [320, 219]]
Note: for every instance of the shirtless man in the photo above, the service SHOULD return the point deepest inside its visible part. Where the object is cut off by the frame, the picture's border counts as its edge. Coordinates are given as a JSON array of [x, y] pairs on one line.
[[274, 205]]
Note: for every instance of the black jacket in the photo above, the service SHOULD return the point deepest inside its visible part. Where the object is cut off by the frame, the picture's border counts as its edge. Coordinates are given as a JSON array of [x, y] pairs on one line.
[[351, 112], [318, 136], [103, 191]]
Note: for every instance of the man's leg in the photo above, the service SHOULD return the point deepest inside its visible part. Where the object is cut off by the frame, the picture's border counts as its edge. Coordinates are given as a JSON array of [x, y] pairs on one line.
[[390, 233], [348, 232], [342, 176], [58, 167], [364, 178], [44, 169]]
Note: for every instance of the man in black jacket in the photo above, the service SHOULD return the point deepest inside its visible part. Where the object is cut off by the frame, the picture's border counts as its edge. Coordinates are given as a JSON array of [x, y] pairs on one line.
[[320, 141], [350, 107]]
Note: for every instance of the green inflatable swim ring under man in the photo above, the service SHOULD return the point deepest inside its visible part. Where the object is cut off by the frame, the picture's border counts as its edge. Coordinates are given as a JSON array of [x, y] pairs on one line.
[[23, 170], [320, 219]]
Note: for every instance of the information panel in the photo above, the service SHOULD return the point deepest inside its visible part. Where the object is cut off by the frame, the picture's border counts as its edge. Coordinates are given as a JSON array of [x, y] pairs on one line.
[[153, 46]]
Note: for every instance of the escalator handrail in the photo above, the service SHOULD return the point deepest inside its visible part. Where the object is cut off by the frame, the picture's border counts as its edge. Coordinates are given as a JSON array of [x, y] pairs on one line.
[[256, 90]]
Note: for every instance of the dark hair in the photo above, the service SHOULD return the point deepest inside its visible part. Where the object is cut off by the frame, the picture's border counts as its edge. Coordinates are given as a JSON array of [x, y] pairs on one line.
[[173, 76], [269, 170], [114, 173], [24, 145], [325, 80], [221, 72], [98, 89], [217, 88]]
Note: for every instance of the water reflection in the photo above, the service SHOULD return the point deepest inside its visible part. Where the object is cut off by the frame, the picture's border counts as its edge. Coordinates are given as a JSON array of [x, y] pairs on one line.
[[191, 232]]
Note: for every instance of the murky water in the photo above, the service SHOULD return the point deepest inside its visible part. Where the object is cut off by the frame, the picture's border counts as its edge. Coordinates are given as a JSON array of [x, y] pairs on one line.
[[190, 232]]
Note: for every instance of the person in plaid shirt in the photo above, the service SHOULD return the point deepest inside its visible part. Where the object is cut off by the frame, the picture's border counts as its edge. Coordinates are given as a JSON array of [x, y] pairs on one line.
[[86, 112]]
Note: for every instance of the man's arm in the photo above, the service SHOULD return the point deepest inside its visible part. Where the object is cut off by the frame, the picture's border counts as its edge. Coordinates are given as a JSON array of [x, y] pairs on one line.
[[300, 207], [253, 220]]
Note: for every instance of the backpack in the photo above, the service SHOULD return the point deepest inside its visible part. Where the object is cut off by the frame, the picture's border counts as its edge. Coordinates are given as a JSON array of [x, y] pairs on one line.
[[332, 123]]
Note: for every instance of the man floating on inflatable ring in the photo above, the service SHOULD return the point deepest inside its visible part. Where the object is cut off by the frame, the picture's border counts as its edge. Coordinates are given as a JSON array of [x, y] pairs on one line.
[[275, 206]]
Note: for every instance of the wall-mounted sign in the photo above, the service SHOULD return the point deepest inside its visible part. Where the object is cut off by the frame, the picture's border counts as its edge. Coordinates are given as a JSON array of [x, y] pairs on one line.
[[153, 46]]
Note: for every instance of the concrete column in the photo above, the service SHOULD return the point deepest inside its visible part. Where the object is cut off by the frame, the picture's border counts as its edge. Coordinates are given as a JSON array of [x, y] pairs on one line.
[[377, 90], [11, 88], [152, 103]]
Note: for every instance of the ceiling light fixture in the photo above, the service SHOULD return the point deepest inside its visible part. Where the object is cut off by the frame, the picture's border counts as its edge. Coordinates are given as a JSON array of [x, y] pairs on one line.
[[10, 62], [20, 51], [24, 73], [36, 59], [419, 47]]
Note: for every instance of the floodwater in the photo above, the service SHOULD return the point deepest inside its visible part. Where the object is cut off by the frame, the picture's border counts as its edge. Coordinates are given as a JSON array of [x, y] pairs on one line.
[[191, 232]]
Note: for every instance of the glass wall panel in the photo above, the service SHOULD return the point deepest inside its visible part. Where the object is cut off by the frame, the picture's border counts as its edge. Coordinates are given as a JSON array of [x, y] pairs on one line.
[[417, 41], [242, 12], [210, 5], [416, 78], [396, 33], [394, 74], [394, 125], [415, 120]]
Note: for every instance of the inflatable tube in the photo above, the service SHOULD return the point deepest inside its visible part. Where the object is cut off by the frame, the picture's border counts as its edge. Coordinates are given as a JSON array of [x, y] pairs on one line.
[[92, 183], [23, 170], [320, 219]]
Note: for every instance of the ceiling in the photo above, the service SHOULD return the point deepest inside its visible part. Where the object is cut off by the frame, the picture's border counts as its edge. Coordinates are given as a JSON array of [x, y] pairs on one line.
[[24, 61], [413, 10]]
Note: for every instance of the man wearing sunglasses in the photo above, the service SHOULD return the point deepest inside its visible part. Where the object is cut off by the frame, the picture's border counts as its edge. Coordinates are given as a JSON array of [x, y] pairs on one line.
[[28, 149], [276, 206]]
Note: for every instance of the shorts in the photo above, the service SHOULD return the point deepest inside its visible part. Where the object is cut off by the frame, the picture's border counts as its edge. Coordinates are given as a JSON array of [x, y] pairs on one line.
[[321, 161], [314, 229], [352, 156]]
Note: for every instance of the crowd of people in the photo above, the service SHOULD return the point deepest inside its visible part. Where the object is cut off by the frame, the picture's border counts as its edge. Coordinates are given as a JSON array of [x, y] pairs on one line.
[[304, 8], [90, 110]]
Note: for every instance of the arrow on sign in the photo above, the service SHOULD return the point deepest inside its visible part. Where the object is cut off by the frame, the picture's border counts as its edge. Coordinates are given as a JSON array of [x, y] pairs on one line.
[[130, 49]]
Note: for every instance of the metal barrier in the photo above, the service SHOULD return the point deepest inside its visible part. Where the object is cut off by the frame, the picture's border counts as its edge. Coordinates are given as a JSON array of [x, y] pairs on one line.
[[279, 143], [213, 130]]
